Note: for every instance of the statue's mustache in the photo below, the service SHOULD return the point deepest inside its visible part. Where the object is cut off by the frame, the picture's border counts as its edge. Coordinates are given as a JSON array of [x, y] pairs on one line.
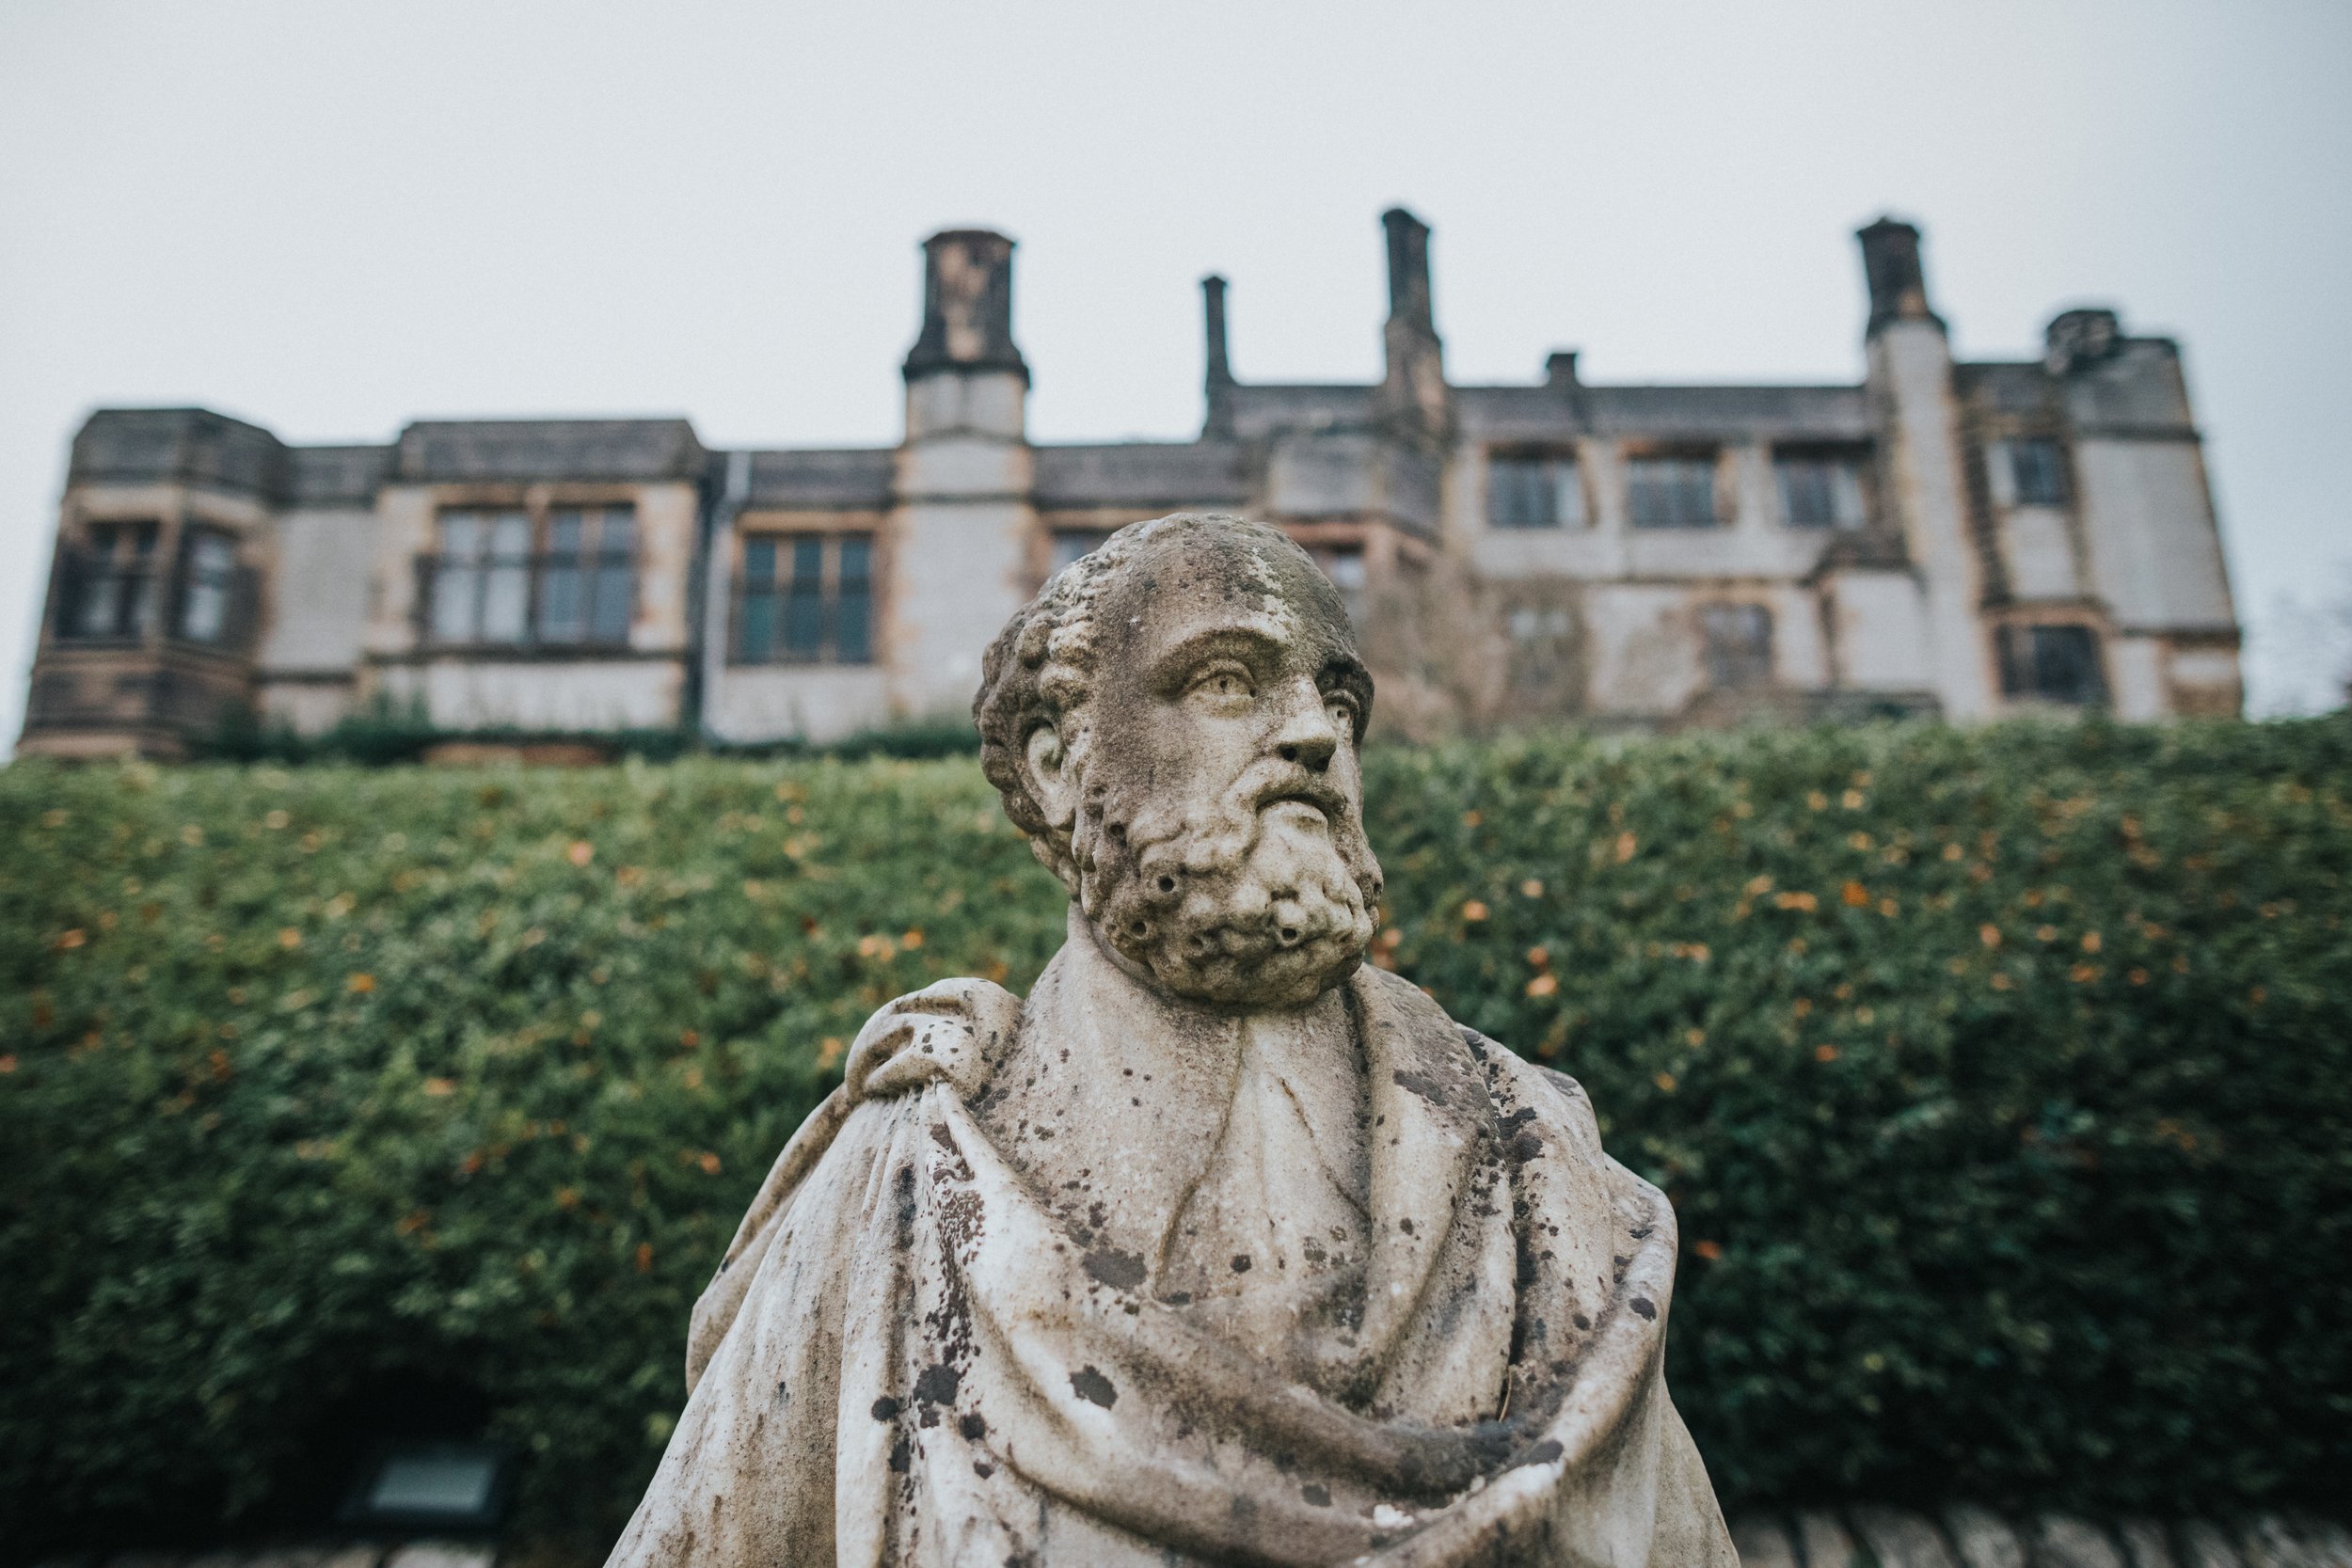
[[1273, 780]]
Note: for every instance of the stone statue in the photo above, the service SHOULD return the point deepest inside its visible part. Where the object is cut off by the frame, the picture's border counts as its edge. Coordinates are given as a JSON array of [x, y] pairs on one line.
[[1222, 1247]]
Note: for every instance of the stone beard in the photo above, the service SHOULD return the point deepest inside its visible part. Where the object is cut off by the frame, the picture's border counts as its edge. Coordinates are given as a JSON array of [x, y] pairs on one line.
[[1220, 1247], [1264, 892]]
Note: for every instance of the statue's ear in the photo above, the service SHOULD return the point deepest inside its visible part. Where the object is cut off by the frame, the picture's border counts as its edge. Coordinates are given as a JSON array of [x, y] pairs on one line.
[[1046, 763]]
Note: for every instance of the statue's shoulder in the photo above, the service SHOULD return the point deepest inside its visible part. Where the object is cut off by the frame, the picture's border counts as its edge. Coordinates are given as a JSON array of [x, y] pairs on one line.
[[1546, 1105], [1555, 1096], [952, 1030], [1516, 1088]]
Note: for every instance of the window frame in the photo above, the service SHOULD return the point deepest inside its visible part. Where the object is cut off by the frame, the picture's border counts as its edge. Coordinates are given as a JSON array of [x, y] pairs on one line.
[[1542, 641], [594, 567], [2019, 649], [1851, 463], [1688, 458], [2060, 488], [1753, 665], [495, 566], [228, 583], [131, 571], [782, 586], [1569, 506]]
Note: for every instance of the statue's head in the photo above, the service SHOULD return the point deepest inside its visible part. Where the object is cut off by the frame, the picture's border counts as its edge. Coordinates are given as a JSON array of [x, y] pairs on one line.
[[1173, 721]]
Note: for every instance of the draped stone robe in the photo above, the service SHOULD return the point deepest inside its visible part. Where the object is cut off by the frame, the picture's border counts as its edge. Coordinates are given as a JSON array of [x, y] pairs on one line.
[[936, 1341]]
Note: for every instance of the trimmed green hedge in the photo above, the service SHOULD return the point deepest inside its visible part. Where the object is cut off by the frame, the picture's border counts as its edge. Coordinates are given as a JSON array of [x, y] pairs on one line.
[[2001, 1081]]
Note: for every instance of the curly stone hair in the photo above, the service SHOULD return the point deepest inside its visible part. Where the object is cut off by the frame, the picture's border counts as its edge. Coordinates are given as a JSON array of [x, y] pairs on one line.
[[1040, 669]]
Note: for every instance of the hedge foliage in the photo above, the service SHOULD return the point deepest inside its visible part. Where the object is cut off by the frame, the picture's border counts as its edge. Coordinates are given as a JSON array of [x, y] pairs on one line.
[[2001, 1080]]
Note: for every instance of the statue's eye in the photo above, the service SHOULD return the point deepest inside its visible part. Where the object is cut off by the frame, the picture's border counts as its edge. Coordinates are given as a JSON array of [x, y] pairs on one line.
[[1224, 681], [1340, 706]]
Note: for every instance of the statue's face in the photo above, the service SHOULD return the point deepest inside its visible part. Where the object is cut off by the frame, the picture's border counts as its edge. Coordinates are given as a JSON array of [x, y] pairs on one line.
[[1218, 823]]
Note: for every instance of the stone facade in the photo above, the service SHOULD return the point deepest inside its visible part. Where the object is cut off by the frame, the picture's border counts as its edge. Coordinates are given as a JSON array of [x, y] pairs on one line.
[[1954, 538]]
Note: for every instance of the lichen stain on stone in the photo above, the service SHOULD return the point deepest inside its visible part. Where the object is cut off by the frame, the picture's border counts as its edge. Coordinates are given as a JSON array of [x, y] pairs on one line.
[[1427, 1088], [1120, 1271], [1090, 1383]]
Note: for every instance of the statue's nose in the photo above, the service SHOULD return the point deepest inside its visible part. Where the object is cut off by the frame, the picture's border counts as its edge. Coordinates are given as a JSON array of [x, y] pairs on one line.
[[1308, 738]]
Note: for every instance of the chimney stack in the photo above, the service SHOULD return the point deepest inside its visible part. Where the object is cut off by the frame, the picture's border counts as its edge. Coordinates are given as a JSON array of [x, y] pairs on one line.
[[2080, 337], [963, 480], [1408, 269], [1924, 462], [1890, 264], [1212, 307], [1412, 397], [1218, 378], [967, 305]]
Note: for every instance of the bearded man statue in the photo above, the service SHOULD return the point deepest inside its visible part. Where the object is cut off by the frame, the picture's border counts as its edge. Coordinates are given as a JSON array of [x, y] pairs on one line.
[[1220, 1248]]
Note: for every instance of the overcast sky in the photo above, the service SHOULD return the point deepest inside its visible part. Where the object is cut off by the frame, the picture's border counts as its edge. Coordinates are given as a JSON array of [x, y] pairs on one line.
[[334, 218]]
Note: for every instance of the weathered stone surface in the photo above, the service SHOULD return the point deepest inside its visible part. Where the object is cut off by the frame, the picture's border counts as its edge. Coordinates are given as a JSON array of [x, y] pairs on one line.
[[1900, 1539], [1824, 1541], [356, 1553], [2145, 1544], [1762, 1542], [2326, 1540], [2267, 1542], [443, 1554], [1215, 1235], [2203, 1544], [1982, 1538], [289, 1557], [2062, 1541]]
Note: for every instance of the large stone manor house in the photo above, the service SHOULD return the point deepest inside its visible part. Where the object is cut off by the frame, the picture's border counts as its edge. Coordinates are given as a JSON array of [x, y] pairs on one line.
[[1941, 537]]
